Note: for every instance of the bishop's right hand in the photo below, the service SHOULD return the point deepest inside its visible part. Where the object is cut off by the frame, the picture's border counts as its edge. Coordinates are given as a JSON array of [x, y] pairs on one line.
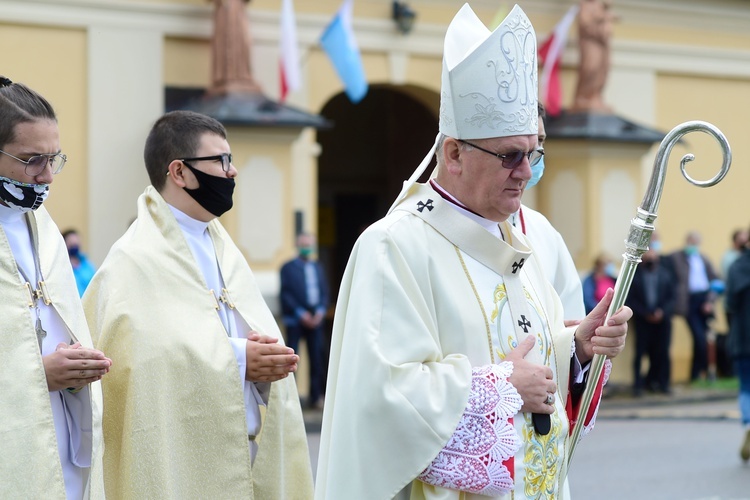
[[533, 382]]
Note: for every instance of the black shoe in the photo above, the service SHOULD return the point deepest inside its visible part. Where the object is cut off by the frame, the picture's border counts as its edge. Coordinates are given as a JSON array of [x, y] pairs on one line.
[[745, 450]]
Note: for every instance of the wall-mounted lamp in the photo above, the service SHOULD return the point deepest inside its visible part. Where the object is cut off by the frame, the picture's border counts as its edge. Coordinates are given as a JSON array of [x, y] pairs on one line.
[[404, 16]]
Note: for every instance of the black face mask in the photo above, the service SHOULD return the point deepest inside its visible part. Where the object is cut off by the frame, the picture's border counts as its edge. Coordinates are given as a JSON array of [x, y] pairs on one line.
[[213, 193]]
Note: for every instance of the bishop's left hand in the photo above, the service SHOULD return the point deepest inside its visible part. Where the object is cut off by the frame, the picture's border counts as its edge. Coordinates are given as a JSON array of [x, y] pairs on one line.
[[594, 337]]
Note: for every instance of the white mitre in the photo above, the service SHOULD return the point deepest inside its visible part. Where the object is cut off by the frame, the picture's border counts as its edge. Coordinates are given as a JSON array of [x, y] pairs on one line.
[[489, 82]]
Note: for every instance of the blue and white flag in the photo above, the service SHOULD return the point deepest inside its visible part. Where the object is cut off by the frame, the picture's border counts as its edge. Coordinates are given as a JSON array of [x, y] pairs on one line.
[[339, 43]]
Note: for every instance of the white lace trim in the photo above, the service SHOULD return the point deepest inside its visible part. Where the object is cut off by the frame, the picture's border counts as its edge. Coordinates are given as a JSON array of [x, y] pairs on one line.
[[473, 458], [607, 371], [573, 346]]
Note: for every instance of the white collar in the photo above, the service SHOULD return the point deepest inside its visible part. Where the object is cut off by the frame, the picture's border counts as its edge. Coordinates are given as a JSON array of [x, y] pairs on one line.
[[187, 223], [9, 215], [490, 225]]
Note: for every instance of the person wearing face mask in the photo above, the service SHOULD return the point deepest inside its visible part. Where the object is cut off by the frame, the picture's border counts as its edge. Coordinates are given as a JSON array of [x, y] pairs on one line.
[[694, 298], [739, 245], [304, 301], [197, 350], [652, 297], [549, 246], [51, 400], [738, 343], [83, 269], [601, 278]]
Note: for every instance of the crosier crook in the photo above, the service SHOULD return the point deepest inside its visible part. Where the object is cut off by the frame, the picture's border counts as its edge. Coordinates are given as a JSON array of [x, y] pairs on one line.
[[639, 235]]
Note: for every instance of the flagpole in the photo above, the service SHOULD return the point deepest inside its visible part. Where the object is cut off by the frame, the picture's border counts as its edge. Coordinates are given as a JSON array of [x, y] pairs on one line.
[[639, 235]]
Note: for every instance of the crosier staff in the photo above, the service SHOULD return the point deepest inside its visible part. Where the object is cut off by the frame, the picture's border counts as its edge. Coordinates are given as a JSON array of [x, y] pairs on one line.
[[639, 235]]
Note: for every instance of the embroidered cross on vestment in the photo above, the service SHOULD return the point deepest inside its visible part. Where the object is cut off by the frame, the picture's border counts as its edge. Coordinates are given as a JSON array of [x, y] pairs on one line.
[[428, 205], [518, 265], [525, 324]]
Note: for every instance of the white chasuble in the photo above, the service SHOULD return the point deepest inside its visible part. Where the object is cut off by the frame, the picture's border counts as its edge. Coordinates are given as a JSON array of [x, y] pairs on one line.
[[176, 422], [413, 318], [52, 441]]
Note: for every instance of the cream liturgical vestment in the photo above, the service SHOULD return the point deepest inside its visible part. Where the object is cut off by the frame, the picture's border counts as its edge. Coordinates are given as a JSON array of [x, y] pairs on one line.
[[429, 294], [30, 460], [175, 422]]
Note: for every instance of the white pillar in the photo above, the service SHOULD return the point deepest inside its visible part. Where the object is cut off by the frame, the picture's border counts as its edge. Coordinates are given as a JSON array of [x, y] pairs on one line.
[[126, 96]]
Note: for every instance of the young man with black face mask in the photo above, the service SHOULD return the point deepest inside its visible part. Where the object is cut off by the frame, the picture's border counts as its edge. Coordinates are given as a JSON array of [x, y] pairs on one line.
[[198, 350], [50, 400]]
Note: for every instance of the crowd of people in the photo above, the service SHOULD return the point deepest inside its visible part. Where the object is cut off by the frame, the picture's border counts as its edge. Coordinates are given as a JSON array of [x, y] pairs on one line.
[[460, 327], [685, 283]]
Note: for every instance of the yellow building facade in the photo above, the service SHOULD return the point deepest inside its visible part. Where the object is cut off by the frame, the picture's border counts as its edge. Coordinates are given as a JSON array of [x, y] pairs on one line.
[[105, 64]]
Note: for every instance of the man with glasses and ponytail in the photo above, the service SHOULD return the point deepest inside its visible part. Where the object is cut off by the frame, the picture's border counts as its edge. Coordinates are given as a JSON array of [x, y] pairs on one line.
[[50, 401], [196, 351], [451, 369]]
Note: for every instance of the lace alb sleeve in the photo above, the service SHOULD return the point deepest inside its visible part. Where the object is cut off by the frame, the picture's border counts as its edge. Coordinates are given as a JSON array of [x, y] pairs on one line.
[[473, 459]]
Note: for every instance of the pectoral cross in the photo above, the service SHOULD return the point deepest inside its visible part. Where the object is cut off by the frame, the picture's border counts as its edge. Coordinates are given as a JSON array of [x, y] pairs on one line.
[[40, 293], [34, 297], [40, 332]]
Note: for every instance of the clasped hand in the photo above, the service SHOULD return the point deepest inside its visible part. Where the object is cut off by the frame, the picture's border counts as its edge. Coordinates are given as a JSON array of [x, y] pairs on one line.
[[267, 360], [311, 321], [534, 382], [74, 366]]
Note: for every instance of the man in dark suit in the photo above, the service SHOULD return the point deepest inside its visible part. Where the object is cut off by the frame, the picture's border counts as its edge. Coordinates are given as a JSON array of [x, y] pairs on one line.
[[694, 299], [652, 298], [304, 301]]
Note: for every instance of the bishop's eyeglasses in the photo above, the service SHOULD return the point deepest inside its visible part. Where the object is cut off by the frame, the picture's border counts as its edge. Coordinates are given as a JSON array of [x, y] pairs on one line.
[[36, 164], [514, 158]]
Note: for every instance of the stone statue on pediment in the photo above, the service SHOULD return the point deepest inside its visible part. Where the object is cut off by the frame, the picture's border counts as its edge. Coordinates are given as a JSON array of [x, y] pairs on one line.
[[230, 49], [595, 23]]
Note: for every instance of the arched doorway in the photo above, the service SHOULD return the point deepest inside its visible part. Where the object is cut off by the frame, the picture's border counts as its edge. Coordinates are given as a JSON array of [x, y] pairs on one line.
[[372, 148]]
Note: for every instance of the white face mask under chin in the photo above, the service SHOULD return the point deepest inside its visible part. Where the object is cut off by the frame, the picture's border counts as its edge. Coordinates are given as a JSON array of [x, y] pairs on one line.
[[22, 196]]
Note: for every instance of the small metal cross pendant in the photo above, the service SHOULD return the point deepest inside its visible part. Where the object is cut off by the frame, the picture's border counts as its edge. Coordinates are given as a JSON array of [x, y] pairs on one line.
[[40, 333]]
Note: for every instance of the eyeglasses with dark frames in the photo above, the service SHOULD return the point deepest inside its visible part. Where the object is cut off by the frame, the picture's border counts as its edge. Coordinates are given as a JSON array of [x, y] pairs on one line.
[[513, 159], [225, 158], [36, 164]]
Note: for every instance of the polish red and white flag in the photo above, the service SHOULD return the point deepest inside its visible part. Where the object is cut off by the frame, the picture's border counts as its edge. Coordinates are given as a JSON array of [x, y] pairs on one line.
[[289, 64], [550, 54]]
